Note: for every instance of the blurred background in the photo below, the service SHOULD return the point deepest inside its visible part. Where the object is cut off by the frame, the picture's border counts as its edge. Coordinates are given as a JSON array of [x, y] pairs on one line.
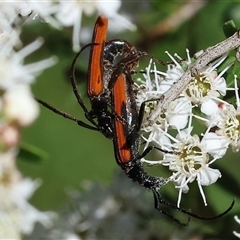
[[77, 165]]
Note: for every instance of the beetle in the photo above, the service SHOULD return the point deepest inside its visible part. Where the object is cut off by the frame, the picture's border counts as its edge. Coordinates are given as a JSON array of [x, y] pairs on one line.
[[101, 61], [113, 104]]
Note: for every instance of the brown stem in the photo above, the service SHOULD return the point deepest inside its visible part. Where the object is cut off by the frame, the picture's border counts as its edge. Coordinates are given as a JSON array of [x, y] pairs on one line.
[[185, 12]]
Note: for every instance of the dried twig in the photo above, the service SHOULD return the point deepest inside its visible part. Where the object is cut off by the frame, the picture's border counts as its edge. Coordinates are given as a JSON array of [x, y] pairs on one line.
[[206, 57]]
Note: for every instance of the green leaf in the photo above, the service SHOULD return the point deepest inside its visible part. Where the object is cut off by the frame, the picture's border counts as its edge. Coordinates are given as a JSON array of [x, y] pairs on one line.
[[229, 28], [31, 153]]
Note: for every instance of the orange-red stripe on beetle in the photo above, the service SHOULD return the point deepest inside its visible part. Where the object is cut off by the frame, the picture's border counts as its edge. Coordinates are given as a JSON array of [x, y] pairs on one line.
[[95, 67]]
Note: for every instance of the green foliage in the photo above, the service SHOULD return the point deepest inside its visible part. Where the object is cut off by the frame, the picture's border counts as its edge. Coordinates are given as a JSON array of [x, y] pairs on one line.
[[229, 28], [31, 153]]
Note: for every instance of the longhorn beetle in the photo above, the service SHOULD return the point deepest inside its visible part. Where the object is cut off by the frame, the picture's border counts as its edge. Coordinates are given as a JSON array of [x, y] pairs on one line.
[[113, 104]]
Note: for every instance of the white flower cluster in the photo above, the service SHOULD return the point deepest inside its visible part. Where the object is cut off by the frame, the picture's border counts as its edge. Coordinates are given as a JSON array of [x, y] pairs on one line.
[[18, 108], [65, 13], [190, 153]]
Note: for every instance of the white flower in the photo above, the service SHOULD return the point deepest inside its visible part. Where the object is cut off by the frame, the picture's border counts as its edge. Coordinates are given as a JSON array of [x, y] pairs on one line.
[[226, 121], [17, 102], [16, 213], [19, 105], [191, 162], [203, 89], [207, 84], [3, 38], [9, 35], [174, 72], [43, 9], [215, 145], [19, 194], [189, 159], [14, 13], [147, 91], [178, 113], [152, 87], [17, 216], [163, 142], [229, 126], [238, 221], [9, 135], [17, 72], [9, 10], [70, 14]]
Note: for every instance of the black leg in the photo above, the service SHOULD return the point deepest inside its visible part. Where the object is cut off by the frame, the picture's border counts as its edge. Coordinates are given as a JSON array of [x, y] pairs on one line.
[[73, 79], [159, 200], [66, 115]]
